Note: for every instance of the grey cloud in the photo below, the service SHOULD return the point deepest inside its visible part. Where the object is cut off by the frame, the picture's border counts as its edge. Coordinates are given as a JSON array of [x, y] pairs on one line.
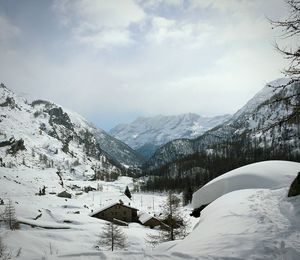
[[109, 70]]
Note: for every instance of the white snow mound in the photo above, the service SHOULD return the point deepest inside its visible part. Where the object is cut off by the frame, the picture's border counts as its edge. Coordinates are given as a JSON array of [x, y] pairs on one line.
[[245, 224], [261, 175]]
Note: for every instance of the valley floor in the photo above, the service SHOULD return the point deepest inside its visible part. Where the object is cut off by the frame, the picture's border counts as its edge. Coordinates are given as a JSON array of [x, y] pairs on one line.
[[243, 224], [63, 227]]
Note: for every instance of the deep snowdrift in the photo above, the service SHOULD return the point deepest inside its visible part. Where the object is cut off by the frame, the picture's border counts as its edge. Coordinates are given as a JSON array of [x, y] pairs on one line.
[[244, 224], [267, 174]]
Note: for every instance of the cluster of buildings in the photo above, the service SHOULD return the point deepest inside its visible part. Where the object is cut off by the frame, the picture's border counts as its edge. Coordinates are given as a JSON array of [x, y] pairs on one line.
[[122, 214]]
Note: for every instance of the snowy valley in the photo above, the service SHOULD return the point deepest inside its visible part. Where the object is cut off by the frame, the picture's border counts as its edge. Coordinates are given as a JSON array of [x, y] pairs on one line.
[[150, 130], [57, 169]]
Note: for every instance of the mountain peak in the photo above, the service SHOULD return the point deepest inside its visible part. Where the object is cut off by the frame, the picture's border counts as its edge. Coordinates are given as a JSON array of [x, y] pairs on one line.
[[151, 132]]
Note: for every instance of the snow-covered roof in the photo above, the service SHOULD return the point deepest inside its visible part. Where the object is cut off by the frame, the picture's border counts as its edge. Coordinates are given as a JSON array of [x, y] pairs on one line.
[[109, 206], [144, 217], [261, 175]]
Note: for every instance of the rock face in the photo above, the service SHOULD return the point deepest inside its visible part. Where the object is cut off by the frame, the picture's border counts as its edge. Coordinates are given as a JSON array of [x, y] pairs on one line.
[[295, 187], [146, 134]]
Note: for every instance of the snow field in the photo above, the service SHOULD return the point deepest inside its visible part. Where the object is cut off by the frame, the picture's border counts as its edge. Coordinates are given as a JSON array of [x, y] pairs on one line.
[[59, 231], [241, 223]]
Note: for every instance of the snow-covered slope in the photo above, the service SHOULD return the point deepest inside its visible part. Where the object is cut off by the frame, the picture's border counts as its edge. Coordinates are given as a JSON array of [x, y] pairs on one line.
[[249, 216], [116, 149], [147, 133], [45, 135], [244, 224], [267, 174]]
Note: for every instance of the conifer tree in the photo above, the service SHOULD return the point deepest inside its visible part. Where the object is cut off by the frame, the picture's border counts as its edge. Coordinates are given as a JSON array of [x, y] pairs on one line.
[[9, 216], [187, 195], [127, 192], [112, 238]]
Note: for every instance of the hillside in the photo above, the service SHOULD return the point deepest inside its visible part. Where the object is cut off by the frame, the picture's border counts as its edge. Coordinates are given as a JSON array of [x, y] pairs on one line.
[[45, 135]]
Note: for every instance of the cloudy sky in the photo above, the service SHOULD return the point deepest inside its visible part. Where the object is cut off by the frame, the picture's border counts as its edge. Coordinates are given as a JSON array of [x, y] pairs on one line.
[[115, 60]]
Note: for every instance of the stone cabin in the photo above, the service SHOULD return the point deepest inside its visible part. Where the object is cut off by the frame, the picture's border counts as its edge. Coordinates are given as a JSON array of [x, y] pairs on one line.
[[149, 221], [116, 211]]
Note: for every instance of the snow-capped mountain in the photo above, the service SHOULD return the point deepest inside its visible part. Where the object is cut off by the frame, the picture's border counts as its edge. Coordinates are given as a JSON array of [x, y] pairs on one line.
[[249, 125], [43, 135], [145, 134], [116, 149]]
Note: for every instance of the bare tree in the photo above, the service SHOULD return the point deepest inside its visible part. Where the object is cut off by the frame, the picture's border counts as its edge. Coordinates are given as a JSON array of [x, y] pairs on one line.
[[176, 224], [9, 216], [290, 28], [112, 237]]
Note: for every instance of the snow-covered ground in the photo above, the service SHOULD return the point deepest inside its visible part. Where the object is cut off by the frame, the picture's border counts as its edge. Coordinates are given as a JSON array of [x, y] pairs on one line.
[[245, 224], [63, 227], [242, 223]]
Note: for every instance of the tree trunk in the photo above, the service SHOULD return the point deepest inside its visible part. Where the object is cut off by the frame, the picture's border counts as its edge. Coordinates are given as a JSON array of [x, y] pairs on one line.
[[112, 237]]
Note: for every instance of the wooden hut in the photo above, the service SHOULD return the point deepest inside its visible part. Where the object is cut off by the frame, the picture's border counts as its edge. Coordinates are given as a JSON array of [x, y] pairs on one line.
[[116, 211]]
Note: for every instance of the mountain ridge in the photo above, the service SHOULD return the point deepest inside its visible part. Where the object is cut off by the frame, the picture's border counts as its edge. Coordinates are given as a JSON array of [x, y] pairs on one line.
[[247, 122], [149, 133]]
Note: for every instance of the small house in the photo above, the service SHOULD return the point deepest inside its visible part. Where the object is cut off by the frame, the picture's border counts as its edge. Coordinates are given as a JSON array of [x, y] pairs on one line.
[[150, 221], [116, 211], [64, 194]]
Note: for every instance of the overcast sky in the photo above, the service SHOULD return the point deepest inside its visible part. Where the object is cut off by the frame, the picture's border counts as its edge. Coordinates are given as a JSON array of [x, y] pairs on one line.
[[114, 60]]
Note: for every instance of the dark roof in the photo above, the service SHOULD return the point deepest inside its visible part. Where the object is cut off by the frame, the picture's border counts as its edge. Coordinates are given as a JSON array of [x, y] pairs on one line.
[[110, 206], [64, 194]]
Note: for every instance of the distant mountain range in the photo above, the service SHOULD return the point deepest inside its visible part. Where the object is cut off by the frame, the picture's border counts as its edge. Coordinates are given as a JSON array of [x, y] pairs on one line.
[[146, 134], [246, 130], [42, 134]]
